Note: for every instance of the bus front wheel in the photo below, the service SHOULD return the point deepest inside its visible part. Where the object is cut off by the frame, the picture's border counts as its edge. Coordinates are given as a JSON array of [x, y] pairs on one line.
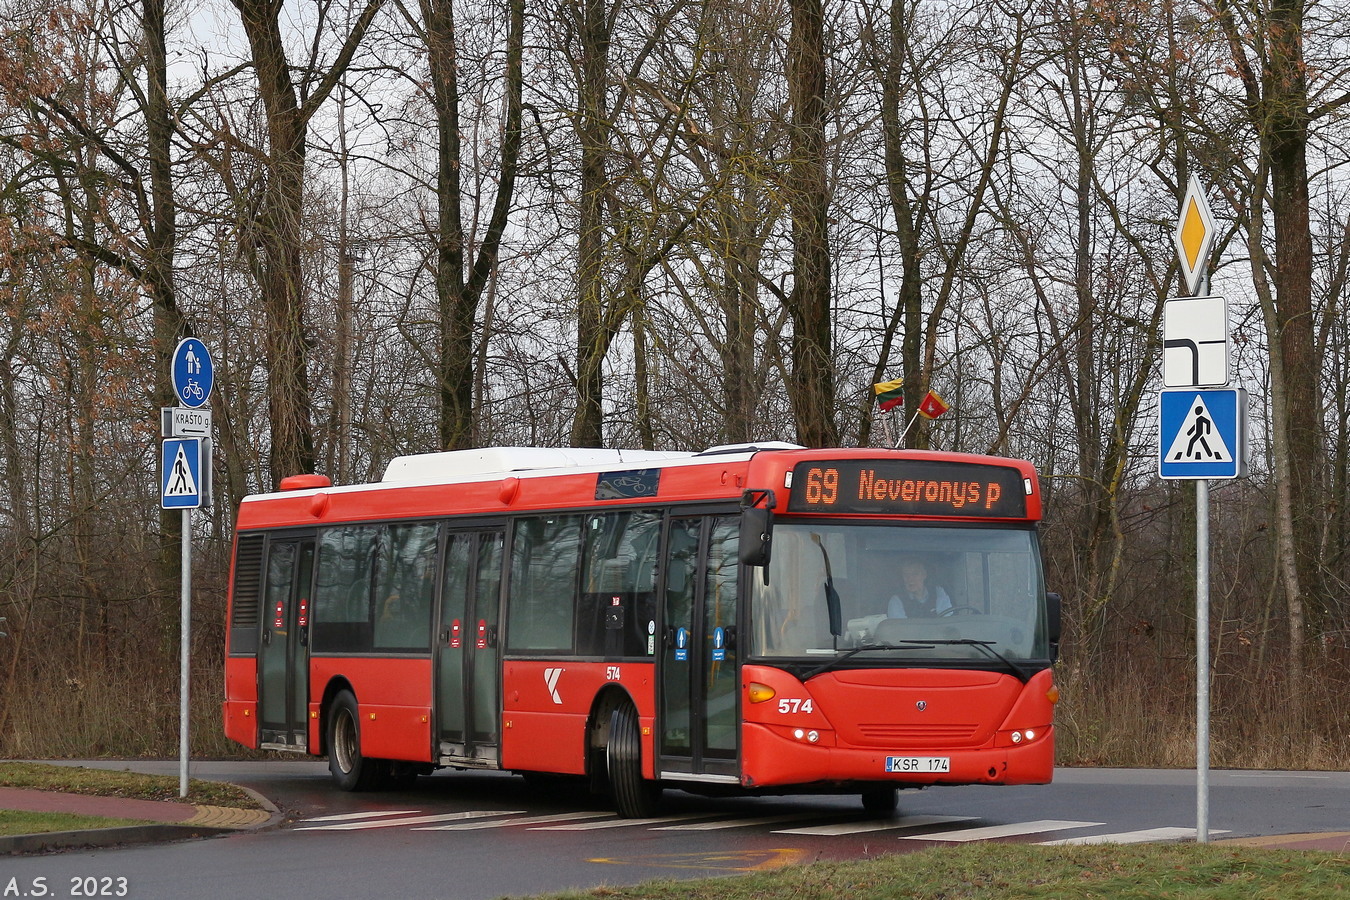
[[881, 802], [350, 770], [634, 796]]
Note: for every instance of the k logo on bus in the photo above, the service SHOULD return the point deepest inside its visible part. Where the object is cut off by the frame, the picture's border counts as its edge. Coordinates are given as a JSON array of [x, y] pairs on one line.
[[551, 677]]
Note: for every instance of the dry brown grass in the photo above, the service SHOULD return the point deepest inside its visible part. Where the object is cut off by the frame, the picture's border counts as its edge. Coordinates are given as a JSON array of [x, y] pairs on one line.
[[1130, 722]]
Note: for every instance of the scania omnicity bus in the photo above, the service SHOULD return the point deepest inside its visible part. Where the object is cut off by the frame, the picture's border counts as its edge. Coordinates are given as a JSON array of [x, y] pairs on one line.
[[730, 620]]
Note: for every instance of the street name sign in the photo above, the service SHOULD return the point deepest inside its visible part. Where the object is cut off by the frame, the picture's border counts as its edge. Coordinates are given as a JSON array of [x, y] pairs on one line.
[[184, 421]]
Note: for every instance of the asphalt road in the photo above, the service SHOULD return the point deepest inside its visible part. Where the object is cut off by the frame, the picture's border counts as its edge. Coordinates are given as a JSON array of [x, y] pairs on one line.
[[478, 836]]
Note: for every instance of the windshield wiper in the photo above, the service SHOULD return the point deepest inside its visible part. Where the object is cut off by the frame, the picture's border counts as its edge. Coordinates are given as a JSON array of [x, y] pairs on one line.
[[988, 647], [849, 654]]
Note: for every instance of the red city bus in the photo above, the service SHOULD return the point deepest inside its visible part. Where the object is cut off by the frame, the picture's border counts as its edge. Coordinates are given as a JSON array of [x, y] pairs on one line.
[[751, 618]]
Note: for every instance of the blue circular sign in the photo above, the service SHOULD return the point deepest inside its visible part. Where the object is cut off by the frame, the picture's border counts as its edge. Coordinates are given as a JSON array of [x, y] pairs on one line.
[[193, 373]]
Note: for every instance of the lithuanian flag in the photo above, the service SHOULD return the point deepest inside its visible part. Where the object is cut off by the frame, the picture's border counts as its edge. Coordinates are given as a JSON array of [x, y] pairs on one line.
[[890, 394]]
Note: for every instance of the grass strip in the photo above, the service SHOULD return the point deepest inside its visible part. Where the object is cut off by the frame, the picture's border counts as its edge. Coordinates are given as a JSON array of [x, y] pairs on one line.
[[14, 821], [993, 871], [111, 783]]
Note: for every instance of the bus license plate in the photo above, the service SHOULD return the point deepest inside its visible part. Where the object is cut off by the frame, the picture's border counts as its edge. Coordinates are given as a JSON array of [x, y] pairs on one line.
[[918, 764]]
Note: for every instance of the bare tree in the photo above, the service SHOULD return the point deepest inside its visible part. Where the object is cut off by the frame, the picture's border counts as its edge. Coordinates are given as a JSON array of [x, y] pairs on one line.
[[279, 239], [459, 286], [811, 380]]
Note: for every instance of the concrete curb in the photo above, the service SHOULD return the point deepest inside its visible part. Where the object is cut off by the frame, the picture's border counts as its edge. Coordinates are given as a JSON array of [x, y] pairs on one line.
[[52, 841], [208, 821]]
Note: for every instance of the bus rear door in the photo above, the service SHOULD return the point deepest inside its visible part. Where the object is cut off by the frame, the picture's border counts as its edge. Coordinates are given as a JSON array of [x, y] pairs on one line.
[[699, 714], [283, 658], [468, 657]]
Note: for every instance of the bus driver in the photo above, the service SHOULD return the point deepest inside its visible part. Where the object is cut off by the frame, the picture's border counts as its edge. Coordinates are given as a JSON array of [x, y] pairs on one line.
[[916, 597]]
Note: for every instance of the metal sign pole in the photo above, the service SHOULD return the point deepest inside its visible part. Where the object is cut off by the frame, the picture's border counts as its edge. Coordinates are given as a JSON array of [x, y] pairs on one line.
[[193, 374], [1202, 645], [1193, 237], [1202, 661], [185, 642]]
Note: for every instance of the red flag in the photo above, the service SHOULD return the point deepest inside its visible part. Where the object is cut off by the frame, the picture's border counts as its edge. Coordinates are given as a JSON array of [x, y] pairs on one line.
[[932, 405]]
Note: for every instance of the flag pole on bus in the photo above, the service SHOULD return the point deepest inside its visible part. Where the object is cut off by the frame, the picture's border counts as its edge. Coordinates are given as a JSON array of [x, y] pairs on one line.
[[930, 407], [889, 395]]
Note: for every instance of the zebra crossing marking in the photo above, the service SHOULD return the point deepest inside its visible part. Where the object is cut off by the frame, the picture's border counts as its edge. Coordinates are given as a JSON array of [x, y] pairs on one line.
[[529, 820], [741, 823], [843, 828], [991, 832], [591, 820], [414, 820], [1143, 836], [621, 823], [375, 814]]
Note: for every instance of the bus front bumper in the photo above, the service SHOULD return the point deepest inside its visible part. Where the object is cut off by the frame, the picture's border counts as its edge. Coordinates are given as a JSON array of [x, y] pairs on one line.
[[774, 756]]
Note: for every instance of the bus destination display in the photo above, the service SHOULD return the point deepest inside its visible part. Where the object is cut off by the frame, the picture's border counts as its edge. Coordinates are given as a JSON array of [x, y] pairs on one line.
[[908, 487]]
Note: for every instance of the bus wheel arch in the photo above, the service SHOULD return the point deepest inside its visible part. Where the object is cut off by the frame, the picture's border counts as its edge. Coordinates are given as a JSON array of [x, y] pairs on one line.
[[614, 755], [351, 770], [330, 692]]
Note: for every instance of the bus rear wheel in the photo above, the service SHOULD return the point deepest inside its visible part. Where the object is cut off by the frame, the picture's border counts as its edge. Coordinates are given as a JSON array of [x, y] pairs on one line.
[[634, 796], [350, 770]]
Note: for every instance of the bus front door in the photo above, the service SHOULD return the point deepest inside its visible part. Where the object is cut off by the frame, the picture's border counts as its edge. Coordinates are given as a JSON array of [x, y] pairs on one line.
[[700, 717], [467, 652], [283, 657]]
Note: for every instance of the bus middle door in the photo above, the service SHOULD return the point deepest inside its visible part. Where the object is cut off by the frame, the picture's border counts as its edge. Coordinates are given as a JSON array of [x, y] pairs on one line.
[[283, 657], [468, 656], [700, 717]]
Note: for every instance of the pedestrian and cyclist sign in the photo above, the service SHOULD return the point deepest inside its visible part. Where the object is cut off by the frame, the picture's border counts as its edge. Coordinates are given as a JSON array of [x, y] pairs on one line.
[[1202, 434], [192, 372]]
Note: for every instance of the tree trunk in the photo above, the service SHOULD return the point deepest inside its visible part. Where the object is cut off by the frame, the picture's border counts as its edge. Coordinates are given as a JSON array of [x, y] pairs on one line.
[[169, 327], [459, 292], [811, 380], [281, 272], [593, 131]]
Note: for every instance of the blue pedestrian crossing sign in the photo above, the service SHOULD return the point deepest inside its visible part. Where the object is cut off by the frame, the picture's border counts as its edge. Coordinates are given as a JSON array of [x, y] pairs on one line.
[[181, 474], [1202, 434]]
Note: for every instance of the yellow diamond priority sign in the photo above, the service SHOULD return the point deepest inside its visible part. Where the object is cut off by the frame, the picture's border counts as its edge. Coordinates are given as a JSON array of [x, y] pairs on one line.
[[1194, 235]]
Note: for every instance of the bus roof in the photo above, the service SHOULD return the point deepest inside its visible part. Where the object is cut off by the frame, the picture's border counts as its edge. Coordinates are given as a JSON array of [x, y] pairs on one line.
[[494, 463], [494, 479], [462, 465]]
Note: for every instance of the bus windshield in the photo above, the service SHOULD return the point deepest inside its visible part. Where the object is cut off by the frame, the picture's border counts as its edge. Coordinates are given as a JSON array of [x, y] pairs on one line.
[[908, 595]]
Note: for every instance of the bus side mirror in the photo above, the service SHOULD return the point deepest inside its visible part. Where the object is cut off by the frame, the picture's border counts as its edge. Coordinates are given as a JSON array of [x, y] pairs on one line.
[[1054, 622], [756, 538]]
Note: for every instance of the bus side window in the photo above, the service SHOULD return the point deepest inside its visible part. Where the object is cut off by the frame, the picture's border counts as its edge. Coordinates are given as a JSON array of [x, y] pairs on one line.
[[545, 569], [617, 608], [404, 587], [346, 569]]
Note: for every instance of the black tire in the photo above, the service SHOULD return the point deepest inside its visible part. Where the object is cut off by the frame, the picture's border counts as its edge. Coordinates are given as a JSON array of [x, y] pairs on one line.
[[350, 770], [881, 802], [634, 796]]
